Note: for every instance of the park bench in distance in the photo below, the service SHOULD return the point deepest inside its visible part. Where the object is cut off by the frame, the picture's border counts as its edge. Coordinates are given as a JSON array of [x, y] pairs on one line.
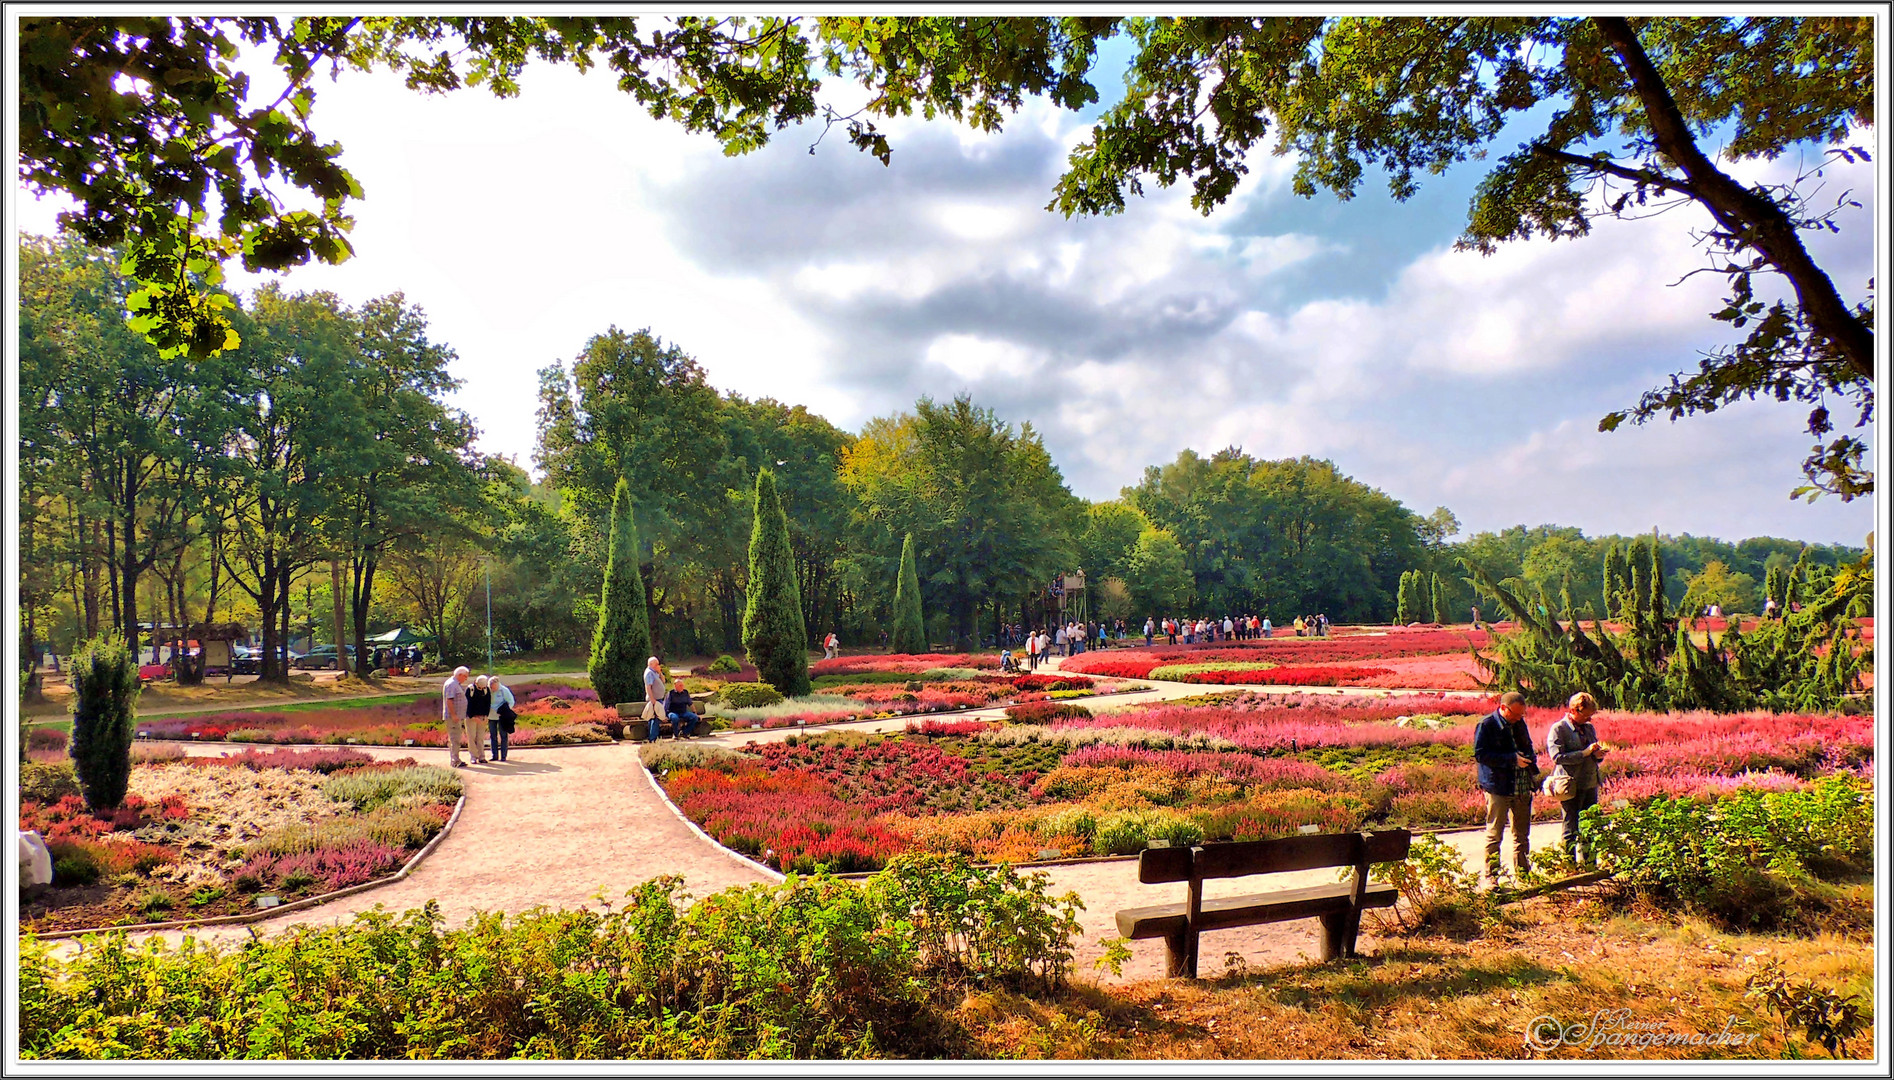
[[1338, 905]]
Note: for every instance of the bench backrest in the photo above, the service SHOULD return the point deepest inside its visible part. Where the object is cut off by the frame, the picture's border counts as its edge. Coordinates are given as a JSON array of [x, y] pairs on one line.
[[1158, 865]]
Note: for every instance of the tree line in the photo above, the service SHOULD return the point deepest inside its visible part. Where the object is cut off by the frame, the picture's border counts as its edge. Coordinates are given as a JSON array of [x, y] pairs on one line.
[[317, 461]]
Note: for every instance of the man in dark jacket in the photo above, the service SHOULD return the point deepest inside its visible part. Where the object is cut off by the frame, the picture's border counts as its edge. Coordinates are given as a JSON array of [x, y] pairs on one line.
[[1509, 774], [677, 706]]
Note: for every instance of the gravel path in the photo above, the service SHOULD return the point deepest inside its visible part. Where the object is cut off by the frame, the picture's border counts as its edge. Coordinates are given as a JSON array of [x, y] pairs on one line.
[[565, 826]]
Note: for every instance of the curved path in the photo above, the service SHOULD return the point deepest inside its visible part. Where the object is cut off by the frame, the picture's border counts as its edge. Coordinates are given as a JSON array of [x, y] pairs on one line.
[[569, 826]]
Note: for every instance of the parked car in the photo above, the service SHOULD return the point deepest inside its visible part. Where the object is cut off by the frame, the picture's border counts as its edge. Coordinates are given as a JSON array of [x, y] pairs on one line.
[[322, 657], [245, 660]]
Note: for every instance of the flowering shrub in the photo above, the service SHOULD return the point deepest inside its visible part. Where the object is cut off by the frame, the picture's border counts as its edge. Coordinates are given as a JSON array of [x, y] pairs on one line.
[[1331, 675], [907, 662], [1449, 672], [45, 738], [321, 870], [1043, 712], [935, 729]]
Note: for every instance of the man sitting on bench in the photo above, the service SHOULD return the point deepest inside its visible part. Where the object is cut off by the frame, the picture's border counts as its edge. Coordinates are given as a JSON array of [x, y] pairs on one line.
[[677, 707]]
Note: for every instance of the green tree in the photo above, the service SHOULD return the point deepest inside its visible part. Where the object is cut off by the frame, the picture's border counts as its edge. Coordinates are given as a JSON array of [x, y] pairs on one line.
[[991, 516], [636, 409], [1435, 607], [1718, 584], [1159, 578], [909, 634], [1404, 599], [104, 679], [622, 641], [1615, 579], [773, 632]]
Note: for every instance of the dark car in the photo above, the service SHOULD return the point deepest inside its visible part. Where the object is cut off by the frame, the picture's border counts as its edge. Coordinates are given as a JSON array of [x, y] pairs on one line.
[[245, 660], [322, 657]]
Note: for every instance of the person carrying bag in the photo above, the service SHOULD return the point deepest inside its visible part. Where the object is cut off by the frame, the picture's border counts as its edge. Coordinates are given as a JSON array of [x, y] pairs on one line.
[[1573, 746]]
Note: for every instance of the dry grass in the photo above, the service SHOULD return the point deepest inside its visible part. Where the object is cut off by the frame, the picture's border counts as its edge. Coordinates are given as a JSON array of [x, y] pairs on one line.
[[1437, 998]]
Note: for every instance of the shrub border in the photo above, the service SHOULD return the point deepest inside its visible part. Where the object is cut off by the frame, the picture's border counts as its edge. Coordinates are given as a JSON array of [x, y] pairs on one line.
[[281, 909]]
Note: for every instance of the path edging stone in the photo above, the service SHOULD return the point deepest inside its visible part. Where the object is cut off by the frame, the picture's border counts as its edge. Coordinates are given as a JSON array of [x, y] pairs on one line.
[[658, 789]]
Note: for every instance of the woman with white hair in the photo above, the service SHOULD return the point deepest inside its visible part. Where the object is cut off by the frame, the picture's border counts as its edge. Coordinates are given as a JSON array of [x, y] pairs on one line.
[[479, 704], [499, 718]]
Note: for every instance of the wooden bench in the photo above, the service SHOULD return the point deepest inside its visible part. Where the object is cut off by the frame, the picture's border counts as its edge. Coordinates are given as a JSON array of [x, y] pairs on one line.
[[1338, 906], [638, 729]]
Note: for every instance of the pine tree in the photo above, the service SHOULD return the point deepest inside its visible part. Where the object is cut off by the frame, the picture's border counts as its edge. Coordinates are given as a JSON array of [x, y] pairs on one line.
[[104, 681], [1776, 587], [1659, 608], [621, 643], [773, 630], [910, 633], [1435, 600]]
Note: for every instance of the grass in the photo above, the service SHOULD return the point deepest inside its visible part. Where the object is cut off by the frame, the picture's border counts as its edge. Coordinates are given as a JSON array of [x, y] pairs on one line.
[[537, 667], [1431, 997]]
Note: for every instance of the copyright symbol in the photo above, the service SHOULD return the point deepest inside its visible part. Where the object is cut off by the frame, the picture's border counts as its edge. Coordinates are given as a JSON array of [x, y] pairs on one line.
[[1544, 1033]]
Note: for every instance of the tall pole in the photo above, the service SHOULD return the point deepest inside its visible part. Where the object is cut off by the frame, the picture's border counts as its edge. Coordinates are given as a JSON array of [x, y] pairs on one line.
[[487, 569]]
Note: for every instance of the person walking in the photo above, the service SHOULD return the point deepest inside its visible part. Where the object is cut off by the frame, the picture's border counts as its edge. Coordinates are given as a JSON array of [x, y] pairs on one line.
[[677, 709], [500, 719], [829, 646], [1148, 627], [653, 695], [1508, 775], [479, 704], [1573, 746], [454, 712], [1059, 639]]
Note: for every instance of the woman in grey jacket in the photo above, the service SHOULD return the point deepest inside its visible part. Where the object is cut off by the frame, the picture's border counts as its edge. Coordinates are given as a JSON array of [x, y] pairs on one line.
[[1573, 746]]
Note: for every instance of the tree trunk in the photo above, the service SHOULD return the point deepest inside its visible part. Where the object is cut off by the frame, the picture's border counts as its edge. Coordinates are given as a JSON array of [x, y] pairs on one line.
[[361, 589], [335, 594]]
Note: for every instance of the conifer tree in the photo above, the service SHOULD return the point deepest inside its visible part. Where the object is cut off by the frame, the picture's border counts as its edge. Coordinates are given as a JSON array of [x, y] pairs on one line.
[[910, 631], [773, 632], [1614, 580], [621, 642], [1434, 600], [104, 682]]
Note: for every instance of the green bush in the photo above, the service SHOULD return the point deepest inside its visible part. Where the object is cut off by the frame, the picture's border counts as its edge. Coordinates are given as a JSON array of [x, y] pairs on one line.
[[812, 967], [407, 827], [48, 781], [621, 642], [752, 695], [1749, 859], [104, 680], [73, 865], [1132, 831], [723, 664]]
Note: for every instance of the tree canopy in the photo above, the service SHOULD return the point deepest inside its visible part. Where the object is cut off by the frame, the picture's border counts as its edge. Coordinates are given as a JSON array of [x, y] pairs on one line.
[[147, 123]]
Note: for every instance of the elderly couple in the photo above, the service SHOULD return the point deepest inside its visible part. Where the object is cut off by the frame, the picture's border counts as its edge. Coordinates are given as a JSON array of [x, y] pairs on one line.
[[464, 698]]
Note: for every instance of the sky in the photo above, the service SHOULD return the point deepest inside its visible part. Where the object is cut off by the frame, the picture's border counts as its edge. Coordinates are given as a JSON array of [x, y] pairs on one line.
[[1286, 326]]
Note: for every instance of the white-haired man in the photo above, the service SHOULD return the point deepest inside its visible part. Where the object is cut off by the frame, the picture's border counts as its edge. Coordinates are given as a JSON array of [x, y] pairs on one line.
[[454, 714], [654, 695]]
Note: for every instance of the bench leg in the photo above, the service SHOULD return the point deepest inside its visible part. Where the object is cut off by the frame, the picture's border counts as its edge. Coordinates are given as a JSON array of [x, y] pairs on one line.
[[1334, 934], [1180, 954], [1354, 931]]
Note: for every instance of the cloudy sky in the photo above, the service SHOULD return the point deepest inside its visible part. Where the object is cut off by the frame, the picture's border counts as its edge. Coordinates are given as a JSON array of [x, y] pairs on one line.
[[1286, 326]]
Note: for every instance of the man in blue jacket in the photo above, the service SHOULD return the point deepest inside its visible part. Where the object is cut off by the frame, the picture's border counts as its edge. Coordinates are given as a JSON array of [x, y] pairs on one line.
[[1509, 774]]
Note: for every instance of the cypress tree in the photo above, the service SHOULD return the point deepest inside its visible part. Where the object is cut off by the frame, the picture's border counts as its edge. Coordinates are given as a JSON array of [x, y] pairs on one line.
[[910, 633], [1434, 597], [1658, 606], [1614, 580], [622, 640], [104, 682], [1776, 587], [773, 631], [1407, 599]]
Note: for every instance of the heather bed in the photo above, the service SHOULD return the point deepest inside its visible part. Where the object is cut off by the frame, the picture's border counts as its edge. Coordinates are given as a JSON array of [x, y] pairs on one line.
[[880, 694], [1248, 767], [200, 837]]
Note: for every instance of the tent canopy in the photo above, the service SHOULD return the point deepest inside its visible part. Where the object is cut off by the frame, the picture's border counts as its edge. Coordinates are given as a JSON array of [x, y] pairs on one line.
[[400, 635]]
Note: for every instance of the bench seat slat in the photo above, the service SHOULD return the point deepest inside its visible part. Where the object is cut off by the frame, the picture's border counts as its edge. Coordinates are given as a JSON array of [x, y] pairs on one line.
[[1162, 920]]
